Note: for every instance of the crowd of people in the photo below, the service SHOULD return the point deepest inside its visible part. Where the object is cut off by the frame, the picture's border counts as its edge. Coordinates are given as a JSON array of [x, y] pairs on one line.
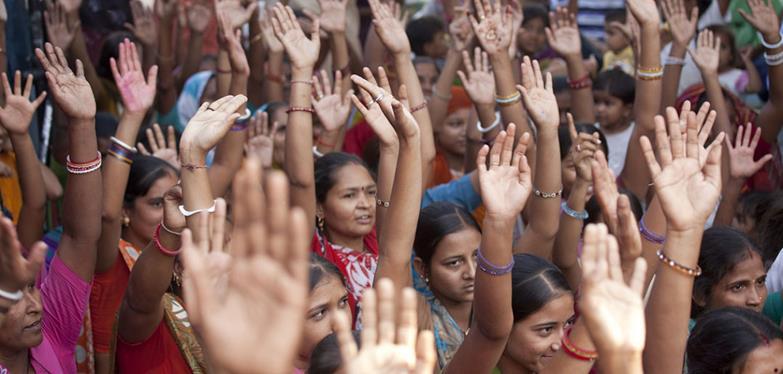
[[487, 186]]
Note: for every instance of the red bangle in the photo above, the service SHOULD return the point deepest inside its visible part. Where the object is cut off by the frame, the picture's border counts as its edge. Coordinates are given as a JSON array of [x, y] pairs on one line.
[[160, 247], [584, 82], [299, 109], [575, 352], [419, 107], [274, 78]]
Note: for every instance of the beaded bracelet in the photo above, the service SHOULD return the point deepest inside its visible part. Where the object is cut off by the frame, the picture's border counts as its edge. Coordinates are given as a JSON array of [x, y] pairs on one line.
[[583, 215], [575, 352], [419, 107], [299, 109], [548, 195], [491, 127], [581, 83], [680, 268], [11, 296], [491, 268], [122, 144], [382, 203], [303, 82], [83, 168], [767, 45], [160, 247], [241, 123], [649, 235], [192, 167], [188, 213]]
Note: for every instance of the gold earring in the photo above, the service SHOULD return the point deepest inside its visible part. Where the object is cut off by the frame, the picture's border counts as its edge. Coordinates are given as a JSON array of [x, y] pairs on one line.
[[321, 223], [125, 221]]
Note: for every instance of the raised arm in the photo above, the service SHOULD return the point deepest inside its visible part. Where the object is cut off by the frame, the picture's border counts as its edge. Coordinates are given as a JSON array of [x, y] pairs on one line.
[[544, 208], [199, 15], [273, 76], [648, 92], [480, 86], [167, 61], [461, 39], [145, 27], [683, 29], [138, 96], [688, 192], [15, 117], [563, 36], [333, 108], [333, 20], [707, 57], [505, 187], [83, 192], [303, 53]]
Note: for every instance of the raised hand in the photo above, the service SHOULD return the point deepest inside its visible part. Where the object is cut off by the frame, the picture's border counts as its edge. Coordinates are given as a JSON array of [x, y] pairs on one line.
[[373, 113], [71, 91], [492, 27], [303, 52], [18, 111], [707, 53], [537, 95], [612, 309], [373, 91], [763, 18], [331, 105], [583, 148], [210, 124], [165, 8], [563, 33], [271, 42], [144, 25], [688, 191], [459, 29], [17, 271], [173, 218], [403, 122], [514, 8], [382, 351], [248, 320], [237, 12], [230, 39], [332, 15], [259, 139], [59, 31], [164, 148], [506, 184], [71, 6], [605, 190], [682, 27], [741, 164], [644, 11], [479, 83], [137, 94], [198, 16], [389, 28]]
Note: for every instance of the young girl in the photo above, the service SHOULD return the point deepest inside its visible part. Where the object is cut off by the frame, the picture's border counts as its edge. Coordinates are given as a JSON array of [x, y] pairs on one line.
[[450, 139], [614, 92], [736, 70]]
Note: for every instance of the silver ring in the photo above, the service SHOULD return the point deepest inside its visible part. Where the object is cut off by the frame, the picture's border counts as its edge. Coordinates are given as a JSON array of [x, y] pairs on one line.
[[378, 98]]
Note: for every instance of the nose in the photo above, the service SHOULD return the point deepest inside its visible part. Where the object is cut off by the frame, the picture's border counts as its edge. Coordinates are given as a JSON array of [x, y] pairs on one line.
[[754, 298], [33, 302], [470, 272], [366, 201]]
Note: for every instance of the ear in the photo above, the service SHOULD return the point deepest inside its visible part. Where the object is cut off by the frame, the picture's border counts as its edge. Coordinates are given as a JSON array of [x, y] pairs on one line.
[[699, 298], [420, 267]]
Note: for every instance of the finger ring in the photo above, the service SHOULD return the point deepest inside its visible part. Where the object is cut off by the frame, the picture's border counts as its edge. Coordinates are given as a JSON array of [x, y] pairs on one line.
[[320, 97], [378, 98], [482, 17]]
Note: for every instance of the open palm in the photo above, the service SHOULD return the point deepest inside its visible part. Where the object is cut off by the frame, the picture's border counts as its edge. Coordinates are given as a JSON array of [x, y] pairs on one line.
[[741, 163], [479, 82], [537, 95], [707, 53], [237, 13], [563, 36], [71, 91], [18, 110], [492, 28], [506, 184], [333, 15], [137, 93], [762, 16], [302, 51], [682, 27], [389, 29], [330, 104], [211, 123]]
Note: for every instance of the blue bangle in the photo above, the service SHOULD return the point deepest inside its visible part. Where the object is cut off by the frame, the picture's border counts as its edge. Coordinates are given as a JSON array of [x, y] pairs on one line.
[[241, 123], [583, 215], [491, 268]]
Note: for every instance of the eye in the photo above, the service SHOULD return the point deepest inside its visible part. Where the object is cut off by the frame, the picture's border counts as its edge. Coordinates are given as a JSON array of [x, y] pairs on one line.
[[372, 192], [350, 195], [545, 331], [454, 263], [343, 302], [318, 315], [737, 287], [761, 280]]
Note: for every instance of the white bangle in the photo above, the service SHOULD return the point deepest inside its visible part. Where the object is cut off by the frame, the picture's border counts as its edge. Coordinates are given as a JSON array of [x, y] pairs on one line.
[[316, 153], [12, 296], [188, 213], [485, 130], [123, 144], [774, 60], [767, 45], [670, 60], [169, 230]]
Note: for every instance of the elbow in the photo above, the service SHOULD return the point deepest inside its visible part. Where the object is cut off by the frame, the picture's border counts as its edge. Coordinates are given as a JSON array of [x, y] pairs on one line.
[[497, 329]]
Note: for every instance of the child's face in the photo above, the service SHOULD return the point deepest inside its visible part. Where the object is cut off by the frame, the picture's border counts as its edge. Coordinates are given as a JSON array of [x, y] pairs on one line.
[[726, 57], [531, 38], [615, 40], [610, 111], [438, 47]]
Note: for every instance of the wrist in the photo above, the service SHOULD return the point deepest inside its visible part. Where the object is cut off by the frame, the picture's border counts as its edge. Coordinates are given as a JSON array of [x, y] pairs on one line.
[[772, 38], [678, 50], [573, 58], [402, 56], [19, 138], [499, 221], [302, 73], [191, 154], [500, 57], [77, 123], [734, 183]]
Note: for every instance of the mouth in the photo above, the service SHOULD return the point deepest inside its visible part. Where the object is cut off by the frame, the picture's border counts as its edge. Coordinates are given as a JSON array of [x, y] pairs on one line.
[[34, 326], [469, 287], [365, 219]]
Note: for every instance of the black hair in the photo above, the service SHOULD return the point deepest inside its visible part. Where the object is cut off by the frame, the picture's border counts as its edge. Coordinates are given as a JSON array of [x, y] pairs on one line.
[[617, 83], [535, 11], [593, 208], [615, 15], [326, 357], [753, 205], [144, 172], [722, 248], [723, 338], [320, 268], [437, 220], [534, 283], [422, 31], [327, 166], [769, 229], [564, 137], [111, 48]]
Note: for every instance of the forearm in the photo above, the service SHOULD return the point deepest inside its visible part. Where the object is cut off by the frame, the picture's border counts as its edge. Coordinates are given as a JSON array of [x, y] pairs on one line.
[[647, 101], [754, 79], [406, 74], [151, 276], [505, 86], [655, 221], [256, 58], [718, 103], [196, 189], [331, 141], [670, 304], [341, 59], [671, 80], [582, 98], [475, 138], [167, 87], [771, 117], [31, 216], [564, 255], [621, 362], [438, 105], [273, 84], [193, 55], [492, 306], [374, 51], [299, 144], [79, 51], [387, 167], [547, 179], [729, 202]]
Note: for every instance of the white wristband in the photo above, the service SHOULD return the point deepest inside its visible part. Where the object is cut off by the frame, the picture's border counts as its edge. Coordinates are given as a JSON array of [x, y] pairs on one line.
[[767, 45], [316, 153], [13, 296], [188, 213], [484, 130]]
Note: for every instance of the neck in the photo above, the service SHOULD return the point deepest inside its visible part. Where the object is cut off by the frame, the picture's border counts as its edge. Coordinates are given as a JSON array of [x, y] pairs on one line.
[[15, 362], [459, 311], [355, 243], [134, 238], [455, 161], [508, 365]]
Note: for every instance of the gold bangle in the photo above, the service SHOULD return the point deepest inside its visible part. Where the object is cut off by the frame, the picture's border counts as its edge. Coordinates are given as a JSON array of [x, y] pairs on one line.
[[653, 70]]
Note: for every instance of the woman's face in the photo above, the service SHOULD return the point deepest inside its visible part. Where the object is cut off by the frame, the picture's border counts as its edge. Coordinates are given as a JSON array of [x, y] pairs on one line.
[[531, 38], [147, 211], [535, 339], [21, 327], [743, 286], [329, 296], [452, 268], [428, 76], [766, 358], [451, 136], [349, 209], [610, 111]]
